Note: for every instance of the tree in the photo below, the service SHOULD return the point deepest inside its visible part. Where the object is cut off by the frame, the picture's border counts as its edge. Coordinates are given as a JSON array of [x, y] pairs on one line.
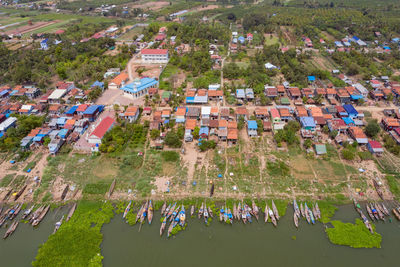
[[333, 134], [325, 129], [196, 132], [172, 139], [347, 154], [307, 143], [372, 129], [240, 123], [154, 134]]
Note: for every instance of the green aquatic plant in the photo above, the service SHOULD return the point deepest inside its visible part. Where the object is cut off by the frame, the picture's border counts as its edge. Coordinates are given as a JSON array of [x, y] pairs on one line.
[[353, 235], [77, 242], [327, 210]]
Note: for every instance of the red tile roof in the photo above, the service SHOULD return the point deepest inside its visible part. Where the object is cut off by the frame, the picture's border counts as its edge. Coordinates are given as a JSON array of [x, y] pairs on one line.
[[103, 127], [154, 51]]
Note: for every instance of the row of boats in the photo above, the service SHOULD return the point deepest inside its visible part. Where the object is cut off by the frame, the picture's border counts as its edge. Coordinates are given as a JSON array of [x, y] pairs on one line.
[[310, 214], [33, 217]]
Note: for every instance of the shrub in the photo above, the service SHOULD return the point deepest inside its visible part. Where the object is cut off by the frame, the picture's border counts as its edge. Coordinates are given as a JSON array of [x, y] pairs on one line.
[[170, 156]]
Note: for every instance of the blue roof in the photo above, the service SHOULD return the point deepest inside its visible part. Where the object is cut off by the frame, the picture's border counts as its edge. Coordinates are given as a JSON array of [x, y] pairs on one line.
[[252, 125], [61, 121], [63, 132], [203, 130], [387, 48], [356, 38], [44, 41], [350, 109], [311, 78], [98, 84], [356, 97], [348, 120], [307, 121], [37, 138], [240, 93], [2, 93], [190, 99], [71, 110], [14, 92], [180, 120], [140, 85], [92, 109]]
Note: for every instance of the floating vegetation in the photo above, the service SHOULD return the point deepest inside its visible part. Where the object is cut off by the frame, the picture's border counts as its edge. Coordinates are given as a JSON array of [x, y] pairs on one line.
[[78, 240], [353, 235]]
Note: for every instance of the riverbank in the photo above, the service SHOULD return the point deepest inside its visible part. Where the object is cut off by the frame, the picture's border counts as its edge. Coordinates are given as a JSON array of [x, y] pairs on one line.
[[80, 240]]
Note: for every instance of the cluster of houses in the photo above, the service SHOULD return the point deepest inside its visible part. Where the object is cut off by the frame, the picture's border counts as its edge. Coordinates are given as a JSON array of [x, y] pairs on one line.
[[239, 39]]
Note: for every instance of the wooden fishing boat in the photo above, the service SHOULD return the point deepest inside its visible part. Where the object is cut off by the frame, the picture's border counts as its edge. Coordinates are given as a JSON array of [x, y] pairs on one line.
[[248, 213], [171, 210], [111, 190], [266, 213], [36, 214], [64, 193], [20, 192], [239, 212], [308, 218], [311, 216], [374, 211], [182, 216], [205, 214], [221, 214], [174, 213], [296, 220], [380, 213], [296, 208], [27, 212], [7, 195], [144, 213], [369, 211], [58, 224], [41, 216], [127, 209], [385, 210], [275, 210], [11, 229], [396, 214], [366, 222], [318, 211], [302, 210], [226, 219], [272, 216], [357, 206], [378, 189], [163, 224], [16, 211], [192, 211], [171, 227], [71, 212], [201, 210], [139, 214], [255, 210], [150, 213], [165, 213], [164, 206], [210, 212]]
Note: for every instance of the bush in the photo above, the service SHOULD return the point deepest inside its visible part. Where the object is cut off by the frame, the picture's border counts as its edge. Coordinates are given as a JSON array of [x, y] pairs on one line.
[[205, 145], [172, 140], [372, 129], [348, 154]]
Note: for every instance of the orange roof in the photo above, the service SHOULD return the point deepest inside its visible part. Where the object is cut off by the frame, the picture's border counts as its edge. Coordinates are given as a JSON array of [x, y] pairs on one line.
[[70, 122], [190, 124], [131, 111], [301, 111], [342, 93], [294, 91], [166, 112], [316, 112], [54, 107], [34, 132], [202, 92], [232, 134], [357, 132], [280, 88], [222, 123], [241, 111], [320, 91], [331, 91], [350, 89], [391, 122], [214, 110], [181, 111], [328, 116], [284, 112], [190, 93], [232, 125], [120, 78], [261, 111], [215, 93]]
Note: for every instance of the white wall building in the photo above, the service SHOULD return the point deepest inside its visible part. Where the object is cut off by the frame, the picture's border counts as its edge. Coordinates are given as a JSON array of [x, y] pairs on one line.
[[154, 55]]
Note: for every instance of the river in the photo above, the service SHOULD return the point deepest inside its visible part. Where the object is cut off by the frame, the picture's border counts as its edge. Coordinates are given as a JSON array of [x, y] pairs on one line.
[[258, 244]]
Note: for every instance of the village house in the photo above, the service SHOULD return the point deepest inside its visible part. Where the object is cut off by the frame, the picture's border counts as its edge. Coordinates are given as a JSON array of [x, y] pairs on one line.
[[154, 55], [193, 113], [118, 81], [271, 91], [232, 136], [342, 96], [375, 147], [224, 113], [390, 124], [140, 87], [261, 113], [358, 135], [241, 112], [180, 115], [285, 114], [104, 126], [131, 114], [294, 93], [338, 125]]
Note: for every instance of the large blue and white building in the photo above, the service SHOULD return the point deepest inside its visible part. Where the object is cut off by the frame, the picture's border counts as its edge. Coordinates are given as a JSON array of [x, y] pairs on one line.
[[140, 87]]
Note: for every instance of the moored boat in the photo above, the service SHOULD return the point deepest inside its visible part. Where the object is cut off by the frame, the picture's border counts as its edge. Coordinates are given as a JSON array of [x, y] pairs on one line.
[[369, 211], [163, 224], [201, 210], [275, 210], [71, 212], [255, 210], [272, 216], [302, 210], [396, 213], [164, 206], [58, 225], [296, 220], [221, 214], [308, 218], [11, 229], [41, 216], [192, 211], [150, 212], [27, 212], [266, 213], [127, 209]]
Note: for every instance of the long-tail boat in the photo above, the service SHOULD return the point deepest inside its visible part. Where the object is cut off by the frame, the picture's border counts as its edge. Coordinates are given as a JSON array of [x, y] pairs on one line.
[[255, 210], [58, 225], [27, 212], [396, 213], [205, 214], [71, 212], [111, 190], [182, 216], [272, 216], [378, 189], [385, 210], [296, 208], [266, 213], [127, 209], [163, 224], [302, 210], [221, 213], [275, 210], [201, 210], [150, 213], [296, 220], [369, 211], [192, 211], [318, 211], [41, 216], [210, 212], [164, 206], [20, 192], [139, 213], [11, 229]]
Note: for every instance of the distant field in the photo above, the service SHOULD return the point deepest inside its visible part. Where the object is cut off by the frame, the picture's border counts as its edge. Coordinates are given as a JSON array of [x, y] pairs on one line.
[[50, 28], [271, 41], [130, 34]]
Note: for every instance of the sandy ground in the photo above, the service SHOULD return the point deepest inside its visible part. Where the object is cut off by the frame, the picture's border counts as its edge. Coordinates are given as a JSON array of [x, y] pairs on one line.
[[151, 5]]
